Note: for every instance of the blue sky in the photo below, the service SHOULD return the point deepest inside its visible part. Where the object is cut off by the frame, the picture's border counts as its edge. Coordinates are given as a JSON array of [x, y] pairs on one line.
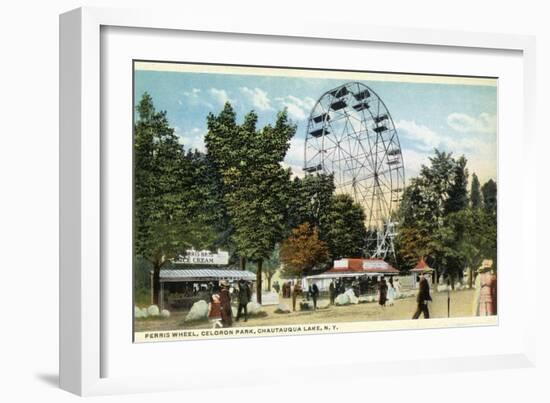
[[455, 117]]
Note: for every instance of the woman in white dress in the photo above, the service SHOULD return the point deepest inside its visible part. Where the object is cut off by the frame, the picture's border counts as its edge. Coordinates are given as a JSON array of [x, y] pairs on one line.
[[397, 288], [391, 293]]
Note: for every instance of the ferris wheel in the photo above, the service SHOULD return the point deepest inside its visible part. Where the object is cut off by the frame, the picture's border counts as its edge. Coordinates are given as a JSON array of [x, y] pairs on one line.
[[351, 135]]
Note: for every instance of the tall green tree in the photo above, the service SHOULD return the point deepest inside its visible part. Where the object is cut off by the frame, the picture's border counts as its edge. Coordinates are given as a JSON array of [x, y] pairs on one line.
[[456, 202], [437, 183], [489, 191], [208, 200], [343, 228], [165, 214], [311, 199], [475, 193], [256, 188], [439, 190], [474, 237], [457, 193]]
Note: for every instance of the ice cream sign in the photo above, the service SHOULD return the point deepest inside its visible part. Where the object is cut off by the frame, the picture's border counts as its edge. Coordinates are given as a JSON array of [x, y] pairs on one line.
[[193, 256]]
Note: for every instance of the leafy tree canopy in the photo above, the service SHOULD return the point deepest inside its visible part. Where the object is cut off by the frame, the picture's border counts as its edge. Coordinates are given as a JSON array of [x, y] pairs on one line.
[[439, 222], [475, 193], [303, 250], [167, 218], [489, 191], [343, 228], [255, 186]]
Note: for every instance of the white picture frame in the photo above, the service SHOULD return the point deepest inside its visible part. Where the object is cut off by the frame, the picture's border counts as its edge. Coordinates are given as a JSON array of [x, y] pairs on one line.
[[82, 177]]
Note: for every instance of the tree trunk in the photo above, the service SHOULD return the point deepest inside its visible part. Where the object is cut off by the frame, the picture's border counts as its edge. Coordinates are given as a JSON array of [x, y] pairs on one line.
[[470, 275], [259, 282], [156, 283], [243, 263]]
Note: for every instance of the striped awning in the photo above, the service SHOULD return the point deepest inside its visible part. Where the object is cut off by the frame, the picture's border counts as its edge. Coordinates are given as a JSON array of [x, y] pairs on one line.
[[205, 274]]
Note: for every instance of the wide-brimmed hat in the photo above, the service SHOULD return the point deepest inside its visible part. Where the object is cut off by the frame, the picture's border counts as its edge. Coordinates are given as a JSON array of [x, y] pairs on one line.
[[483, 269], [486, 265], [223, 283]]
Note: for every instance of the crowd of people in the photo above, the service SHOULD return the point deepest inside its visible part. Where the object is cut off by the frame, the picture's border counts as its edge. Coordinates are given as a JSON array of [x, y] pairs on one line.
[[220, 312], [387, 290]]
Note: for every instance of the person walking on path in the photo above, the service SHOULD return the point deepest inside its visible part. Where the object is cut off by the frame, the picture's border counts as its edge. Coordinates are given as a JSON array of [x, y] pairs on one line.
[[332, 292], [225, 301], [295, 291], [314, 292], [244, 298], [382, 292], [214, 308], [391, 292], [397, 288], [276, 287], [422, 298]]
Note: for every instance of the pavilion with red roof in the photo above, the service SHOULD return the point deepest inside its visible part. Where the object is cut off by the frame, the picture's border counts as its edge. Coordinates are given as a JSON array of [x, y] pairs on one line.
[[346, 268]]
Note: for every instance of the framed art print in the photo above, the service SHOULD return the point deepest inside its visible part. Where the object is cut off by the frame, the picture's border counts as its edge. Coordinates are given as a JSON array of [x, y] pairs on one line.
[[274, 192]]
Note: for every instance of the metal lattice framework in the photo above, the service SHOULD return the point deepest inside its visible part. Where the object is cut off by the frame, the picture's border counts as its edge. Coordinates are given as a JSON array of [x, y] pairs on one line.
[[351, 134]]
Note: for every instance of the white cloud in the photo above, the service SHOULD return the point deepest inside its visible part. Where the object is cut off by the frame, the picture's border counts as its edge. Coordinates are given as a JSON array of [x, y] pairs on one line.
[[294, 158], [427, 139], [413, 161], [194, 93], [194, 97], [463, 123], [220, 96], [192, 139], [424, 137], [298, 108], [296, 170], [480, 152], [295, 153], [259, 98]]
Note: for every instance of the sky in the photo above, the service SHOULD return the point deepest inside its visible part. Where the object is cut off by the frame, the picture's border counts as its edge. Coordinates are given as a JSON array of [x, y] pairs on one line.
[[451, 114]]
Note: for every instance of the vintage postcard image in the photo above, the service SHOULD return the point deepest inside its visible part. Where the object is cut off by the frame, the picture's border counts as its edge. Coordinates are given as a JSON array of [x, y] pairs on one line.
[[278, 201]]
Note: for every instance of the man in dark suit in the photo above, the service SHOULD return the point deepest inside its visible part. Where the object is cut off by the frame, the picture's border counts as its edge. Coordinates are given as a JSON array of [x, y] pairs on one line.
[[244, 299], [314, 292], [422, 298], [332, 292]]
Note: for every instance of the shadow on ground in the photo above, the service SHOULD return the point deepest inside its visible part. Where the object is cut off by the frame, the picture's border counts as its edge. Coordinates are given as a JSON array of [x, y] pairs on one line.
[[49, 379]]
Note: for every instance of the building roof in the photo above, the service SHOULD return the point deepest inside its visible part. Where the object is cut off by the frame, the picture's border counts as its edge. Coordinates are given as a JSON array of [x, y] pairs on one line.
[[422, 267], [357, 267], [205, 273]]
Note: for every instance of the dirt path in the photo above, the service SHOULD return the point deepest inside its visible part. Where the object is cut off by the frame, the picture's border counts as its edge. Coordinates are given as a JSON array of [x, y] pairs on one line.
[[461, 306]]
